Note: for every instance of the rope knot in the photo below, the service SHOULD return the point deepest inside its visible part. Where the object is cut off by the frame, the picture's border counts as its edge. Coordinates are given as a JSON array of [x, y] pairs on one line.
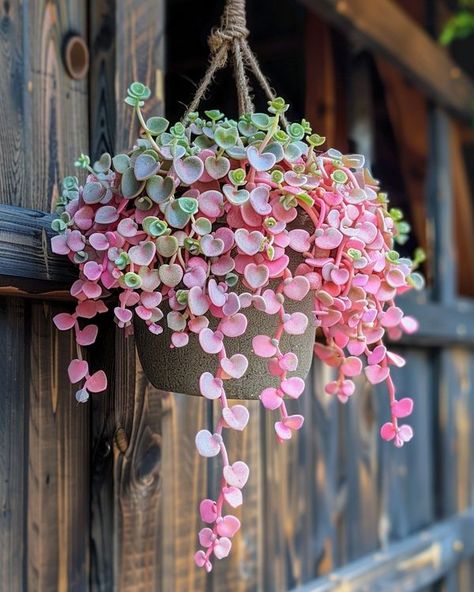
[[233, 26]]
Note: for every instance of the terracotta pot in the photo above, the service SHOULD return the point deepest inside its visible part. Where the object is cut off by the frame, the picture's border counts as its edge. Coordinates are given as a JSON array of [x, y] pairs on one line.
[[178, 369]]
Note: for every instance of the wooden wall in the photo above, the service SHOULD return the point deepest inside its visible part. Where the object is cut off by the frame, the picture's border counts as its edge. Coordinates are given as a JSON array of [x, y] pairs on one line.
[[103, 497]]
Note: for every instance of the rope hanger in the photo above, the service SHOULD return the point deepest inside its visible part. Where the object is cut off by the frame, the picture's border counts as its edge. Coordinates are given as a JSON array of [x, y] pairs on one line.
[[230, 39]]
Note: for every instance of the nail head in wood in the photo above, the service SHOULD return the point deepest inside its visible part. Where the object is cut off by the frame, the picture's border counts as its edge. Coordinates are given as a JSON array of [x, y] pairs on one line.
[[76, 57]]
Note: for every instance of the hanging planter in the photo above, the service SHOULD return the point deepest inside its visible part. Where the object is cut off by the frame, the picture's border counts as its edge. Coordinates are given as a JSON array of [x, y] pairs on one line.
[[229, 244]]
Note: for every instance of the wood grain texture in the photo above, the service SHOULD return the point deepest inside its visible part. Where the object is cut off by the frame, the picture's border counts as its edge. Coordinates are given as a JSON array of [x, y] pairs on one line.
[[287, 490], [27, 262], [184, 485], [13, 446], [325, 106], [58, 476], [418, 561], [126, 45], [393, 33], [244, 570], [41, 131], [408, 113]]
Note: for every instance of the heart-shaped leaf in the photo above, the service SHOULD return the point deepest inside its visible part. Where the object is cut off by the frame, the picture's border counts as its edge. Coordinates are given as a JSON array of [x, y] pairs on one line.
[[159, 189], [121, 163], [93, 192], [260, 162], [189, 169], [236, 474], [175, 216], [146, 165], [236, 417], [217, 166], [226, 137], [77, 370], [235, 366], [208, 444], [129, 185], [167, 246], [157, 125]]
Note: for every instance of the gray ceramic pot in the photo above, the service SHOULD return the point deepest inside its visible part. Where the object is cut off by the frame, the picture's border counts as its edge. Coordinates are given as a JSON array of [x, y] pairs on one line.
[[178, 369]]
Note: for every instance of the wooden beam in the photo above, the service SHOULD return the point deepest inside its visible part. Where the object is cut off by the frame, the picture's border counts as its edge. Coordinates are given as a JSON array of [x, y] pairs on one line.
[[28, 267], [440, 325], [391, 32], [409, 565]]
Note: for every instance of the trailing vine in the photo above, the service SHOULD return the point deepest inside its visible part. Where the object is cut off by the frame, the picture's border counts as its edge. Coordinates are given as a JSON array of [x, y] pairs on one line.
[[199, 217]]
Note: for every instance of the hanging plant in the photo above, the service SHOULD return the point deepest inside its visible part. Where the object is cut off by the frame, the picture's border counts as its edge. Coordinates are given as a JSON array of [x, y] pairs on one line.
[[228, 244]]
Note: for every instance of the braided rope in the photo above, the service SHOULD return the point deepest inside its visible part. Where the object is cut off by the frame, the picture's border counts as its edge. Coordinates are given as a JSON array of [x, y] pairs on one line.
[[231, 38]]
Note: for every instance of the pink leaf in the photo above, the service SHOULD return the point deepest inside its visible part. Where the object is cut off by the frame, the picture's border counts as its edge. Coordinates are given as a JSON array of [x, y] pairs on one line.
[[208, 510], [211, 342], [64, 321], [293, 387], [271, 399], [97, 382], [376, 374], [236, 417], [234, 326], [237, 474], [296, 288], [88, 335], [227, 526], [403, 407], [233, 496], [209, 386], [264, 346], [77, 370], [235, 366], [208, 444]]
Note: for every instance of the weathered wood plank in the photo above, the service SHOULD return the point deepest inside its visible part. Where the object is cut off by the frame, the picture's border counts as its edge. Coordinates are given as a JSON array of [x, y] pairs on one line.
[[417, 561], [55, 109], [13, 446], [126, 45], [184, 485], [243, 570], [27, 264], [390, 31], [288, 485], [58, 476]]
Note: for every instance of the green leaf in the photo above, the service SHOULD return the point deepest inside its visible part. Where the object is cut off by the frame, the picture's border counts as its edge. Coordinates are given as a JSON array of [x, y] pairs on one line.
[[146, 165], [261, 121], [226, 137], [167, 246], [159, 189], [175, 216], [93, 192], [143, 203], [339, 176], [83, 162], [296, 131], [121, 162], [157, 125], [189, 205], [231, 280], [132, 280], [103, 164], [58, 225], [202, 226], [237, 177], [214, 114], [316, 140], [129, 185]]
